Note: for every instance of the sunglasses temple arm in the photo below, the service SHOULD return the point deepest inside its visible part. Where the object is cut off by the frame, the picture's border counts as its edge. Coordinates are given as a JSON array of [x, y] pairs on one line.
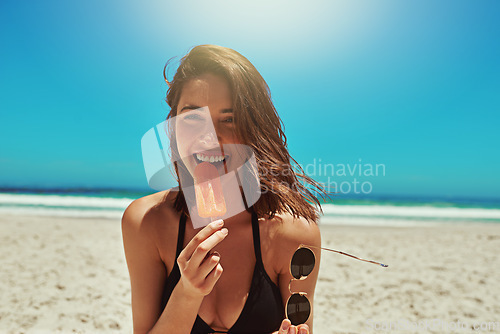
[[354, 257]]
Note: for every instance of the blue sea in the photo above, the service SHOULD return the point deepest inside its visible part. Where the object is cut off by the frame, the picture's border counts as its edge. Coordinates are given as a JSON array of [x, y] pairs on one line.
[[371, 211]]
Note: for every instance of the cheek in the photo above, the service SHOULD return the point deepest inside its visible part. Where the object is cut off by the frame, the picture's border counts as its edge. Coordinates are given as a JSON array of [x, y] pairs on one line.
[[230, 136], [237, 139], [184, 142], [181, 145]]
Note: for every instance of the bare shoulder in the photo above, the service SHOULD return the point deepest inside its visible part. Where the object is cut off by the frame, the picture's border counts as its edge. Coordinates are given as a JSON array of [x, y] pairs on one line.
[[284, 233], [287, 230], [149, 212]]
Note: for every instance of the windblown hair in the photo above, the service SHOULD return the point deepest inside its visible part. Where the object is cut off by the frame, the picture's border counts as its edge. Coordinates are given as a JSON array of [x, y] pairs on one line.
[[284, 187]]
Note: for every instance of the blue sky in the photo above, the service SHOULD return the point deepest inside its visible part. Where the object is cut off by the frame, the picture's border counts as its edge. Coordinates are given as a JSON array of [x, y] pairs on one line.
[[412, 85]]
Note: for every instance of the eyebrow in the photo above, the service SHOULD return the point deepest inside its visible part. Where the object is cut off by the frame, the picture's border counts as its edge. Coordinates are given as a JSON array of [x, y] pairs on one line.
[[193, 107]]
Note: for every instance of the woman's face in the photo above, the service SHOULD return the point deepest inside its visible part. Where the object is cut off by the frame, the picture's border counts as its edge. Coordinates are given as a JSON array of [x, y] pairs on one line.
[[205, 126]]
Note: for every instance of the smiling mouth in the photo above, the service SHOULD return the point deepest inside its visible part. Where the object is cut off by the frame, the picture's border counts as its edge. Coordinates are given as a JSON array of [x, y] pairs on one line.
[[214, 158]]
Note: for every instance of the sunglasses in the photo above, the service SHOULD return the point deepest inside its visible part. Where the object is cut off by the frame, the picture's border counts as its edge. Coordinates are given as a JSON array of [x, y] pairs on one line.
[[302, 264]]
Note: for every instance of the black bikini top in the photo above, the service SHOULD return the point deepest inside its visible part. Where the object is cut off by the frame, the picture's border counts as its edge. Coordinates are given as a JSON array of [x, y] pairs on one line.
[[263, 311]]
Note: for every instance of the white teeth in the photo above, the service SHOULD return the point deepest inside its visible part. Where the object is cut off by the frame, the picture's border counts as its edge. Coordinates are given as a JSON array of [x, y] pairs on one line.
[[207, 158]]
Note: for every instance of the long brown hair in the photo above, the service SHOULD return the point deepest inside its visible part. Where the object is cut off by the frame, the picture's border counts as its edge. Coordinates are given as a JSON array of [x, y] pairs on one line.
[[284, 187]]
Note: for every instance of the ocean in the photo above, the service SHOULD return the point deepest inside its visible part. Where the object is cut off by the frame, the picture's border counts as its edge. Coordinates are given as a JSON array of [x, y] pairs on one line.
[[372, 211]]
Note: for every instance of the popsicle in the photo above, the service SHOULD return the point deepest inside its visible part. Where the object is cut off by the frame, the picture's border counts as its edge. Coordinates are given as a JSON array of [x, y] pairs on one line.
[[208, 191]]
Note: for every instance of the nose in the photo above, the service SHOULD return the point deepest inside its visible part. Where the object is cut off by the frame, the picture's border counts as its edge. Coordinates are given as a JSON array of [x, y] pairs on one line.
[[209, 140]]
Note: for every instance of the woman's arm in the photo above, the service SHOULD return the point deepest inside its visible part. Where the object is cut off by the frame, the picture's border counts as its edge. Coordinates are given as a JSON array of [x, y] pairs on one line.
[[148, 274], [146, 269], [294, 233]]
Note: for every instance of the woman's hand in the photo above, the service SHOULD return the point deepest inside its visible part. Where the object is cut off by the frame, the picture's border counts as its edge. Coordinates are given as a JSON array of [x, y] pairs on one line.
[[288, 328], [199, 268]]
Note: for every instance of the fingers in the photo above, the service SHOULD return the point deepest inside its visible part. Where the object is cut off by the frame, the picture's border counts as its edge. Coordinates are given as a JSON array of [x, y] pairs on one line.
[[201, 236], [213, 277], [209, 264], [303, 329], [199, 269], [285, 326], [288, 328], [206, 246]]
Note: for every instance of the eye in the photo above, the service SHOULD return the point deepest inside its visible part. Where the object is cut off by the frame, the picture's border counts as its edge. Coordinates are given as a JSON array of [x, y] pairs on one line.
[[192, 117], [228, 120]]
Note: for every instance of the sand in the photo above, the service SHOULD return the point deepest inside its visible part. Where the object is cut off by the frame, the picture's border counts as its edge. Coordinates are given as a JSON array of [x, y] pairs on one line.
[[440, 279], [69, 275]]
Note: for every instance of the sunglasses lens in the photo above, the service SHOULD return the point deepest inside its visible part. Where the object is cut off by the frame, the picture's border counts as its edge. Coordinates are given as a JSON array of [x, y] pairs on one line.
[[298, 309], [302, 263]]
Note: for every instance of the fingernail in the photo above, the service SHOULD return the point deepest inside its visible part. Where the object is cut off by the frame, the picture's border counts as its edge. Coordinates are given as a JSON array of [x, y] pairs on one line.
[[285, 326], [224, 231], [219, 223], [303, 331], [293, 330], [216, 253]]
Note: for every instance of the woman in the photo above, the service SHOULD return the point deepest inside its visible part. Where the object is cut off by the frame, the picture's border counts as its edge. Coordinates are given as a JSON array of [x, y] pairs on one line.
[[231, 275]]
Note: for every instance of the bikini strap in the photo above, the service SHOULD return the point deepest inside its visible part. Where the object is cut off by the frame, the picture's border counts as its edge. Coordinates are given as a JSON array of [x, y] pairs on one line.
[[180, 234], [256, 237]]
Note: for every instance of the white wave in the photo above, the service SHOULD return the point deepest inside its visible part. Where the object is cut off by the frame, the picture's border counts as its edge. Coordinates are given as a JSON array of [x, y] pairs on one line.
[[409, 211], [69, 200], [376, 221], [48, 212]]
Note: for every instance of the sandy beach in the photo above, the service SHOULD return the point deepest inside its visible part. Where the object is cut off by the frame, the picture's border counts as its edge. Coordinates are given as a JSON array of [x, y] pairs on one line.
[[69, 275]]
